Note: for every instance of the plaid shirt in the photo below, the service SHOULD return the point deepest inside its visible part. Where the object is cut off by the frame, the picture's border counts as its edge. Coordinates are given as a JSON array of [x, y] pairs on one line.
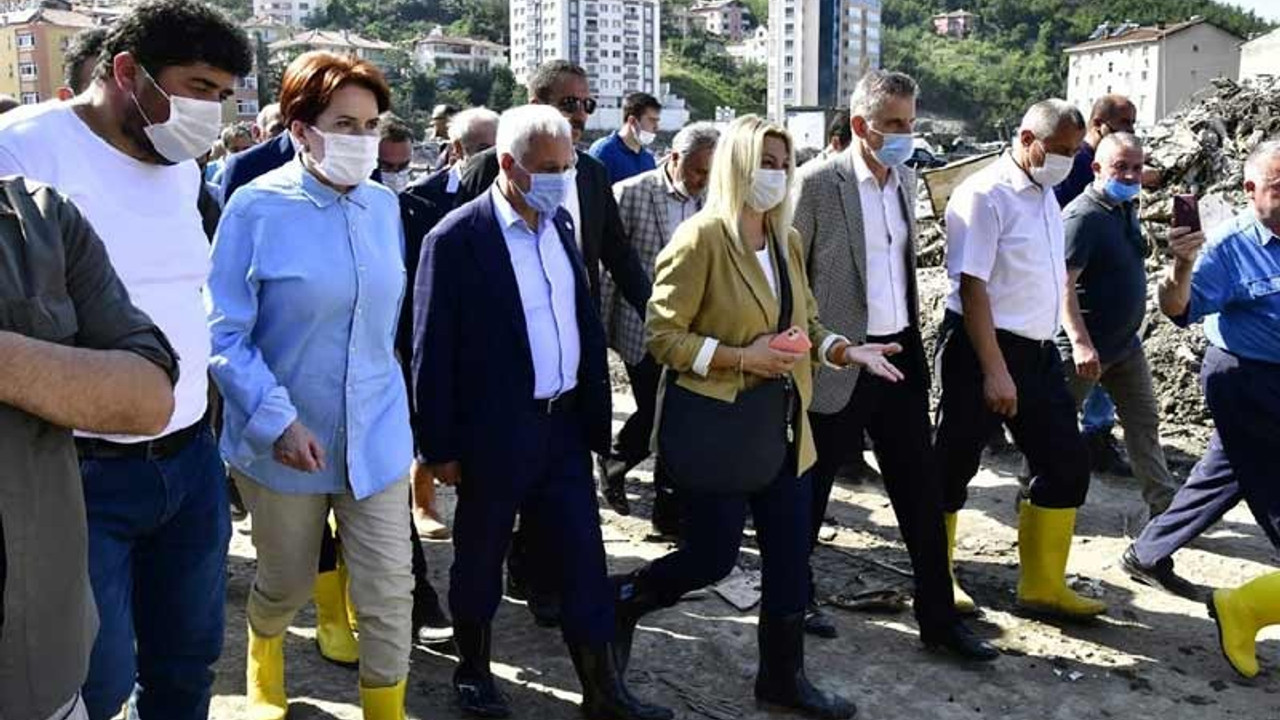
[[645, 203]]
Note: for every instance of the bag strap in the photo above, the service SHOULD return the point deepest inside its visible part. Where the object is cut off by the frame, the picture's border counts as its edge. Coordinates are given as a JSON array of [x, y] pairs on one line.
[[785, 301]]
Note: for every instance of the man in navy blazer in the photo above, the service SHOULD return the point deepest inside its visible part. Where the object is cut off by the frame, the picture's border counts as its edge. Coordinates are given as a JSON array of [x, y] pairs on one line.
[[509, 354], [259, 160]]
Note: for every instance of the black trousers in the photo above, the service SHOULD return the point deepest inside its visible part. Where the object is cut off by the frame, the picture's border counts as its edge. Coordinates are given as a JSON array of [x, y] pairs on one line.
[[711, 527], [1240, 463], [896, 415], [1044, 429], [632, 444]]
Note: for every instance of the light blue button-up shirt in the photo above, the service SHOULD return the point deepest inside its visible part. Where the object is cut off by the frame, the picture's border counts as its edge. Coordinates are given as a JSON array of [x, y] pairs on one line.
[[544, 275], [303, 301], [1235, 288]]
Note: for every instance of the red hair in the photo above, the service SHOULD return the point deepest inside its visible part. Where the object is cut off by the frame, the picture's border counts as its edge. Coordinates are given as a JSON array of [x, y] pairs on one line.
[[312, 78]]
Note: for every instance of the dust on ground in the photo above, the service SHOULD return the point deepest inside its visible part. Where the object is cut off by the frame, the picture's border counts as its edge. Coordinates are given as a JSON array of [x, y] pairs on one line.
[[1152, 656]]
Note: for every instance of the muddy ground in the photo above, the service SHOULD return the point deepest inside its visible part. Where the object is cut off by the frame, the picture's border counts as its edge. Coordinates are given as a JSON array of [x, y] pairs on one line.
[[1152, 656]]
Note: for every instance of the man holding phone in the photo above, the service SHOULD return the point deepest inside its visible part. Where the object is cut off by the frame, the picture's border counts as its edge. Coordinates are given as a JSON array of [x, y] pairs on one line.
[[1234, 288], [855, 217], [1105, 305]]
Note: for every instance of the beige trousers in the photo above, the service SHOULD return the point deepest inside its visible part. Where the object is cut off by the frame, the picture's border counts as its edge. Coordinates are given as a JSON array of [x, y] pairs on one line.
[[375, 548]]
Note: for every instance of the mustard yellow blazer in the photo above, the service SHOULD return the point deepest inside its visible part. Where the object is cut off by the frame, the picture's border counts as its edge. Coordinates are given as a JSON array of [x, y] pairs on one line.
[[707, 285]]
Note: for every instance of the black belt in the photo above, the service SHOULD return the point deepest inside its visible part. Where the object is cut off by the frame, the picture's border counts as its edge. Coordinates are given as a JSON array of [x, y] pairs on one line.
[[162, 448], [899, 337], [560, 403]]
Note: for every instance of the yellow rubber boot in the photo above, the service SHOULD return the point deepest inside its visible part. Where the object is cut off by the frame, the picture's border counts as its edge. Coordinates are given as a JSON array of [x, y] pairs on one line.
[[384, 703], [1240, 614], [1044, 542], [333, 635], [964, 604], [264, 678]]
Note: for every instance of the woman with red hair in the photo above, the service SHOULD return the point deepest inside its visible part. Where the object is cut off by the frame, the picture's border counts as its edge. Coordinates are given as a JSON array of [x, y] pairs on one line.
[[308, 277]]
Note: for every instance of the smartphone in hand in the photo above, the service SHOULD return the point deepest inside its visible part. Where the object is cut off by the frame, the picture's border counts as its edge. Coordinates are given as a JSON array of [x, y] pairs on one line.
[[794, 340], [1186, 212]]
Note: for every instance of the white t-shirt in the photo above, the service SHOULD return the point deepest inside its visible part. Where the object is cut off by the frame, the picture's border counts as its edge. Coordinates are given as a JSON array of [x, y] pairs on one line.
[[146, 216]]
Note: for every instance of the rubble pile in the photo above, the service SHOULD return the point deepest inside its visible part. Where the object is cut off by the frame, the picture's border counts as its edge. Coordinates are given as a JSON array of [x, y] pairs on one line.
[[1201, 149]]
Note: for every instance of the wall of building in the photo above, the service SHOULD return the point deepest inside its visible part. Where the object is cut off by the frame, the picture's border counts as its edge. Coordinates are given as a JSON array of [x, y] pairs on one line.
[[8, 62], [1195, 57], [1131, 70], [1260, 56]]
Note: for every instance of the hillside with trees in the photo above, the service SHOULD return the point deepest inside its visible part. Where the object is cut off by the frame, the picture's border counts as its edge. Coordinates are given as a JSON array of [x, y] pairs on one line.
[[1016, 56]]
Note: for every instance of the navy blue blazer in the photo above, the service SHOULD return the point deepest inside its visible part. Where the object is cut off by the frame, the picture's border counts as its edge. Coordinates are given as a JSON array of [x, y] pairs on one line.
[[472, 367], [243, 168]]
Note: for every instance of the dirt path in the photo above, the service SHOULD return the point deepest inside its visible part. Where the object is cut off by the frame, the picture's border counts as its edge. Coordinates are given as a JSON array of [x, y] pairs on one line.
[[1153, 656]]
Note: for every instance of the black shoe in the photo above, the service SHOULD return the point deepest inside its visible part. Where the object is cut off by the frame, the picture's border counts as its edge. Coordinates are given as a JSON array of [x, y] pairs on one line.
[[604, 689], [478, 694], [857, 472], [613, 483], [781, 681], [960, 641], [1161, 575], [633, 599], [1104, 454], [818, 623], [545, 607]]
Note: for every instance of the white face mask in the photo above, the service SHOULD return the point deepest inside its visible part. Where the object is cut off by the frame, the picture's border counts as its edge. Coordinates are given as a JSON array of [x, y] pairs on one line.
[[1056, 168], [348, 159], [645, 137], [768, 189], [396, 181], [192, 128]]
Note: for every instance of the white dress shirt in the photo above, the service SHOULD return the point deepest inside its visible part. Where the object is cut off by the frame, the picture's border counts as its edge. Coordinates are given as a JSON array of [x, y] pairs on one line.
[[886, 236], [575, 211], [1006, 231], [544, 275]]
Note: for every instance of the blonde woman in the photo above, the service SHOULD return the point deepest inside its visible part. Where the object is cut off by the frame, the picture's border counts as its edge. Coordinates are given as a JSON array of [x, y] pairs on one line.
[[731, 282]]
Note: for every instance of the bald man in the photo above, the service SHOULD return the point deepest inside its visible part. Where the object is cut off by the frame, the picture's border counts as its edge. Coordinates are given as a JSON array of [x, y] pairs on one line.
[[1105, 304]]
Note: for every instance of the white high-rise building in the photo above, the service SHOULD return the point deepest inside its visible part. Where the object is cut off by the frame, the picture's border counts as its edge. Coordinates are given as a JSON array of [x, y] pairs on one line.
[[617, 42], [818, 50], [289, 12]]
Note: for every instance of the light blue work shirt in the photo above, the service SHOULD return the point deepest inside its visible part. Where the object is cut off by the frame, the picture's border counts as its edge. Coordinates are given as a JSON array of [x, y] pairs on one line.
[[303, 301], [1235, 289], [544, 276]]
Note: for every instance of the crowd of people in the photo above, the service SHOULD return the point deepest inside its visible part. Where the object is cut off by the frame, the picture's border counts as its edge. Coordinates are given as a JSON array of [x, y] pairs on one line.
[[369, 334]]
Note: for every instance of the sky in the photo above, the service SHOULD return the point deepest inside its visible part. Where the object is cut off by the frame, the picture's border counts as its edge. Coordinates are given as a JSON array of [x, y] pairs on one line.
[[1265, 9]]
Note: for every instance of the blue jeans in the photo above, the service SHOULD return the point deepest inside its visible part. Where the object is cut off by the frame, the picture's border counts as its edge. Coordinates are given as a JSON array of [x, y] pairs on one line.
[[1098, 413], [158, 535]]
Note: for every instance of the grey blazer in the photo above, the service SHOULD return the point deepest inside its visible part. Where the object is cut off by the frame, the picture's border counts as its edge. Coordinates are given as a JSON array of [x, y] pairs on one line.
[[828, 217], [642, 206]]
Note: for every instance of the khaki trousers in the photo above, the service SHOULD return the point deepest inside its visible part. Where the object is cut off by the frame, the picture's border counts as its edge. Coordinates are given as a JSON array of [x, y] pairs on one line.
[[375, 548]]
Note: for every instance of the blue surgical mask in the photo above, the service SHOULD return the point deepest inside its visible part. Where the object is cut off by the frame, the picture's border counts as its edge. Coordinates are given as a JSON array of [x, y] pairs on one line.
[[547, 191], [897, 149], [1121, 192]]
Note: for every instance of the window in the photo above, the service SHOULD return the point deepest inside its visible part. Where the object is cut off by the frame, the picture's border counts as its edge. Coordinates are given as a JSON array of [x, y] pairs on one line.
[[28, 71], [26, 40], [246, 107], [30, 98]]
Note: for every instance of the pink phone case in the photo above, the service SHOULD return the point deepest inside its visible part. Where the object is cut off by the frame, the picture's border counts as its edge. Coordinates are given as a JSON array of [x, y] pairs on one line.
[[794, 340]]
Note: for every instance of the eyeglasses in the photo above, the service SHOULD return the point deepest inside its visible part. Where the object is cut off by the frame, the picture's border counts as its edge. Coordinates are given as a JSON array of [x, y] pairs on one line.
[[571, 105]]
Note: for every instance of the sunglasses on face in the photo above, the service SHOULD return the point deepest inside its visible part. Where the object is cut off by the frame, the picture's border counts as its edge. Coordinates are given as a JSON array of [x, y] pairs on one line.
[[571, 105]]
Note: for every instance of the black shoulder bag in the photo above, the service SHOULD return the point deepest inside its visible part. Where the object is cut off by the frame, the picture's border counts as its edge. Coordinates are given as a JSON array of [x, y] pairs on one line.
[[711, 446]]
